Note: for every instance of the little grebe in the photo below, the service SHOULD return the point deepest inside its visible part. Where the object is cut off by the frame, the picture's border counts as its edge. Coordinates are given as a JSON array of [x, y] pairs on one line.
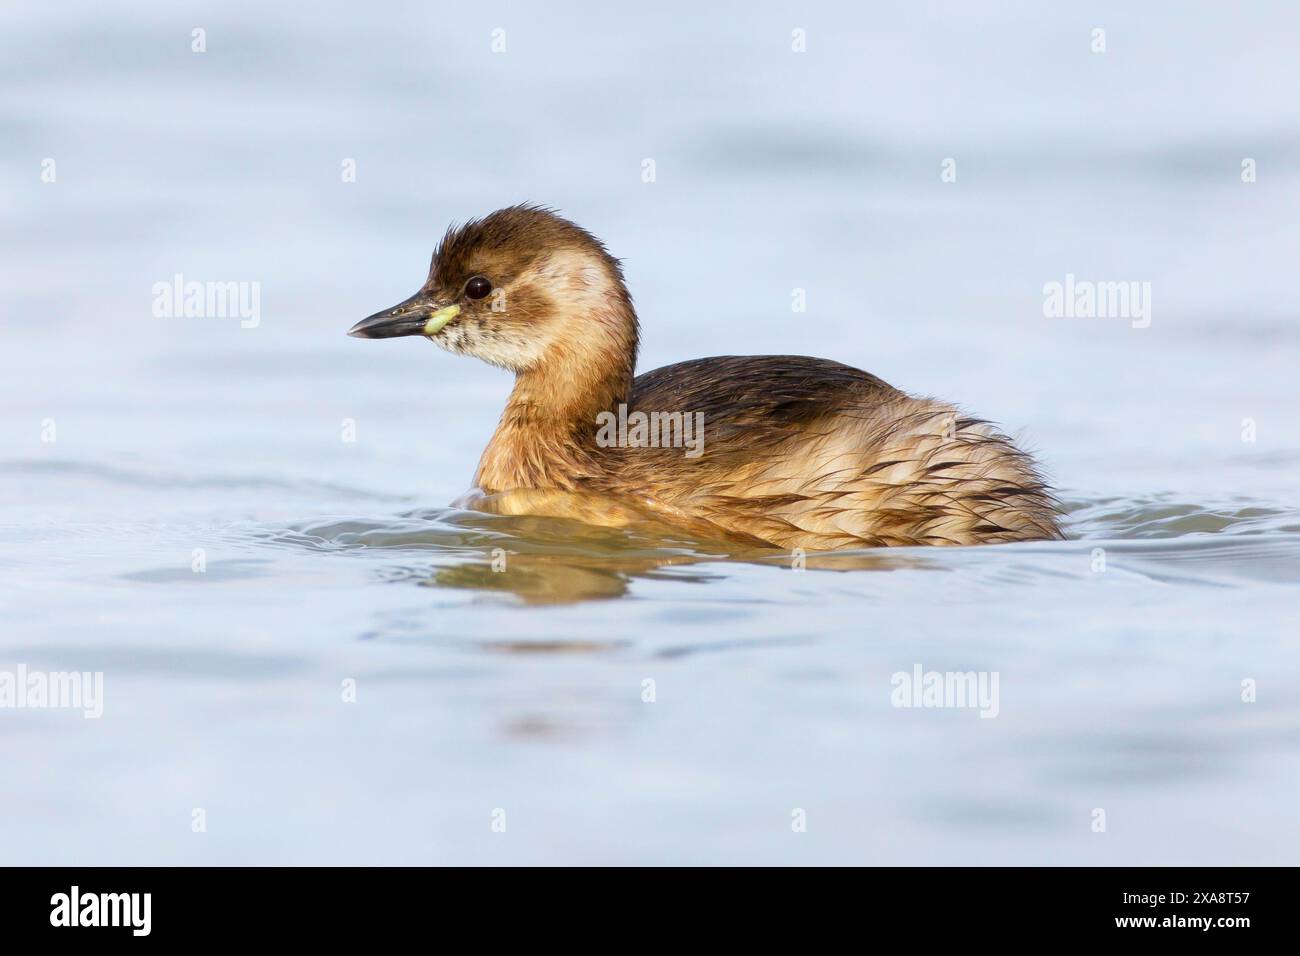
[[794, 452]]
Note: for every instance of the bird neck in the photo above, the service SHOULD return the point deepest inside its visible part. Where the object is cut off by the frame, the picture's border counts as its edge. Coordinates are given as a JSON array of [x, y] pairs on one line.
[[546, 437]]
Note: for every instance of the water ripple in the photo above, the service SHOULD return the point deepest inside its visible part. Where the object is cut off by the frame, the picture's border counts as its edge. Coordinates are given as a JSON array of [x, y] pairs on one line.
[[543, 559]]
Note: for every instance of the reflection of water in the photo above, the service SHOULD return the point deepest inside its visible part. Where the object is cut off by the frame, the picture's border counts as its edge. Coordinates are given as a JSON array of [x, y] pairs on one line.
[[562, 557], [553, 558], [552, 579]]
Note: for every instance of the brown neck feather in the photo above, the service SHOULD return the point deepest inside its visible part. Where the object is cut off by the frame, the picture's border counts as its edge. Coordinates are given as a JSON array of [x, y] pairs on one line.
[[546, 436]]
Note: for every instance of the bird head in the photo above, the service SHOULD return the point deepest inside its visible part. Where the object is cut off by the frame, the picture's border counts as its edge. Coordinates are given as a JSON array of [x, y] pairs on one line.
[[515, 288]]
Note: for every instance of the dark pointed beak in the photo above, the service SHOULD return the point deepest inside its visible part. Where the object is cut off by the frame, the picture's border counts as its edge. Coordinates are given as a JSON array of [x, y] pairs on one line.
[[418, 315]]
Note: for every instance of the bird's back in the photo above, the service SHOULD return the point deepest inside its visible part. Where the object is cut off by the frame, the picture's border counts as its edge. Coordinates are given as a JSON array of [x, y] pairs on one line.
[[805, 452]]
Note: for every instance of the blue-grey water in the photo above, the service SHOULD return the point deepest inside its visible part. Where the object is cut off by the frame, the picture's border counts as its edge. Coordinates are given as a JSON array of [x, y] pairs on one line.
[[307, 656]]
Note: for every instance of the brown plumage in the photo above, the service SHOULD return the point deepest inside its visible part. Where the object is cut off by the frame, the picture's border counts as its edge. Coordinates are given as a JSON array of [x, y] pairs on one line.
[[794, 452]]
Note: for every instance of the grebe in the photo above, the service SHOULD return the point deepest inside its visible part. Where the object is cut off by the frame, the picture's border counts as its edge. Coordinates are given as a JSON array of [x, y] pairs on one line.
[[795, 452]]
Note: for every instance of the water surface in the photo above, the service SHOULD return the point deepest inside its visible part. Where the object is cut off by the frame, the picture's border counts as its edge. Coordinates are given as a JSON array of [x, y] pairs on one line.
[[328, 563]]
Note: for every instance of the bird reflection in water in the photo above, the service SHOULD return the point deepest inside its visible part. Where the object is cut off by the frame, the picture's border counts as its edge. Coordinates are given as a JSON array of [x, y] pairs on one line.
[[566, 547]]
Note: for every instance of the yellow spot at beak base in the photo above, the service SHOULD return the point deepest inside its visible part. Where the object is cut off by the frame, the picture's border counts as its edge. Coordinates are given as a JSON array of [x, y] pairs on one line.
[[440, 318]]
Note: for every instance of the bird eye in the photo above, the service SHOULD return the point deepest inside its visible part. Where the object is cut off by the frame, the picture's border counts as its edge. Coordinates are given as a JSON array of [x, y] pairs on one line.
[[477, 287]]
